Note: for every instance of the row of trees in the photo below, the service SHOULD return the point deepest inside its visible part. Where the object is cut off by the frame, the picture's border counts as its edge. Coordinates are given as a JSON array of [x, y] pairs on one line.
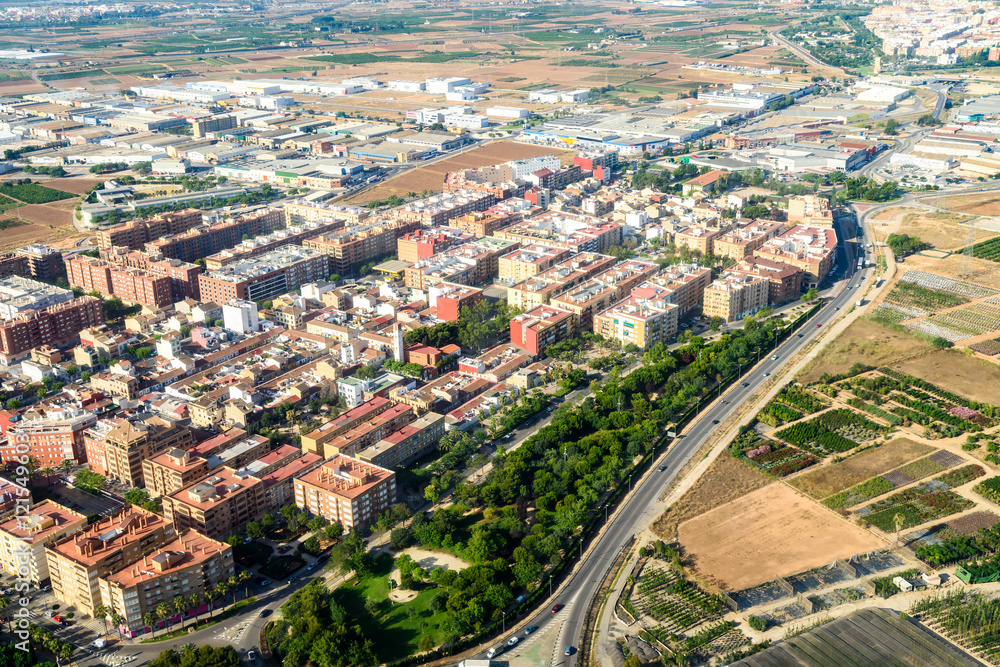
[[477, 327]]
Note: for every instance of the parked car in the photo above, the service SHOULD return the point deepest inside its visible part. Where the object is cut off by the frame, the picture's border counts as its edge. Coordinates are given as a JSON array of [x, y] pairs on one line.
[[312, 566]]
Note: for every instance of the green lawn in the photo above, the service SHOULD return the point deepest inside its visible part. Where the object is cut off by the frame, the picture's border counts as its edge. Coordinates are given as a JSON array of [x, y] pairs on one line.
[[397, 628]]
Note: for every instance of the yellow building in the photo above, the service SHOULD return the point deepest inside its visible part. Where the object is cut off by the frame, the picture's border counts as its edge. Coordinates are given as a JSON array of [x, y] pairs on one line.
[[23, 538], [734, 297]]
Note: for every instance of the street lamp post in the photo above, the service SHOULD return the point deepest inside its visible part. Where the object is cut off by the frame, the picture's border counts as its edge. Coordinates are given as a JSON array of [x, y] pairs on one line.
[[550, 585], [505, 622]]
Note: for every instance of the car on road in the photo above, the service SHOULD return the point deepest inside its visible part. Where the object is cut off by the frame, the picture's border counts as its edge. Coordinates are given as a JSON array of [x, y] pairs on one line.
[[800, 335], [767, 374], [53, 614], [58, 619], [513, 641], [251, 656], [99, 643], [745, 384], [531, 628], [569, 650], [493, 651], [774, 357], [818, 326], [556, 608], [715, 421], [264, 613], [662, 468], [247, 540], [263, 582], [311, 566]]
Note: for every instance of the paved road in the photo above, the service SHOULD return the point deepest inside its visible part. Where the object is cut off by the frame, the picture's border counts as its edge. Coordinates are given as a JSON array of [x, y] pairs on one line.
[[583, 585]]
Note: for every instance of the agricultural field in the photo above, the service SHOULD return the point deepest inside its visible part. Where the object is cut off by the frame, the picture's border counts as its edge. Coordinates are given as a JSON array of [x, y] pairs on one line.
[[726, 479], [986, 203], [771, 532], [33, 193], [867, 342], [956, 373], [968, 619], [770, 456], [671, 600], [831, 479], [913, 506], [792, 403], [835, 431], [968, 322]]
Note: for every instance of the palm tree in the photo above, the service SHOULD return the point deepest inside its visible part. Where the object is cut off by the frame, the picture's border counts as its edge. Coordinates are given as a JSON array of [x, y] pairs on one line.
[[232, 583], [66, 465], [101, 611], [180, 606], [163, 612], [150, 622], [118, 621], [3, 605], [245, 580], [221, 590], [193, 602], [47, 472], [210, 596], [65, 653], [187, 648]]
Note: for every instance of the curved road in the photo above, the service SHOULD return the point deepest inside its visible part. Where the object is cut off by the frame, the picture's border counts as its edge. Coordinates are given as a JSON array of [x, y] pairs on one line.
[[631, 517]]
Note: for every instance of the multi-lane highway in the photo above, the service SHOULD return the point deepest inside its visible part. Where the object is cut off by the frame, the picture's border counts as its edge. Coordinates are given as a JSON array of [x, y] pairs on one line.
[[628, 520]]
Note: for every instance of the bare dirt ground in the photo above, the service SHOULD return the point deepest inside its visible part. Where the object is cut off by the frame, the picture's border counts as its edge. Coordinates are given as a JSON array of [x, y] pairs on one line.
[[771, 532], [15, 237], [431, 177], [941, 230], [954, 371], [866, 342], [834, 478], [725, 480], [984, 203], [428, 560], [983, 271], [77, 186]]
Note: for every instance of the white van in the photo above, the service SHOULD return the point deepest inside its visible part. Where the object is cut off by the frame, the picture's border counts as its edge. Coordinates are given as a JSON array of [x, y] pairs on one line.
[[493, 651]]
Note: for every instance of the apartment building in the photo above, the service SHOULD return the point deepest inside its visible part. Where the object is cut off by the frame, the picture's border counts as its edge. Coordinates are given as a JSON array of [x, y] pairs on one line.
[[785, 281], [698, 239], [187, 566], [44, 263], [810, 211], [219, 506], [448, 299], [23, 538], [369, 432], [628, 274], [116, 384], [262, 277], [183, 276], [346, 490], [261, 245], [129, 285], [586, 300], [485, 223], [528, 261], [437, 210], [423, 243], [359, 244], [647, 316], [13, 264], [315, 440], [117, 448], [687, 283], [77, 562], [407, 444], [557, 229], [52, 438], [538, 328], [733, 297], [136, 233], [472, 263], [172, 471], [810, 249], [208, 240], [300, 210], [741, 242], [564, 275], [53, 325]]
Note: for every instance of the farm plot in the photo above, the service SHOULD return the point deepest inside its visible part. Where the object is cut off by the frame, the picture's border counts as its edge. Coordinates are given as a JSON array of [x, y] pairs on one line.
[[911, 507], [772, 457], [861, 493], [771, 532], [957, 374], [837, 430], [791, 404], [913, 296], [33, 193], [951, 286], [955, 325], [853, 470], [972, 523], [971, 621], [892, 314], [673, 601]]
